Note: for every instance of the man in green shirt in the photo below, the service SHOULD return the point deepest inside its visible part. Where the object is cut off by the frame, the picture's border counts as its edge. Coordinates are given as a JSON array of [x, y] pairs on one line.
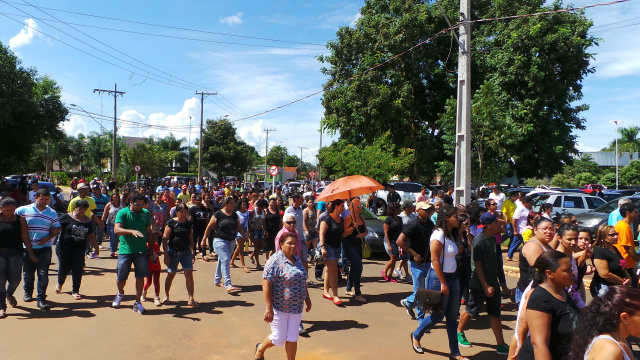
[[133, 225], [484, 285]]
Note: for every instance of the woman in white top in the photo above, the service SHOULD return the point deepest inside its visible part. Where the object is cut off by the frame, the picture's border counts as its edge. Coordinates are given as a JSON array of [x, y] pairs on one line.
[[604, 327], [442, 276], [109, 218]]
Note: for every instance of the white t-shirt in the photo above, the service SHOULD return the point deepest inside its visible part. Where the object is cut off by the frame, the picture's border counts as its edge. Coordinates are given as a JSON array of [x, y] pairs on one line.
[[520, 214], [406, 219], [451, 249], [498, 198]]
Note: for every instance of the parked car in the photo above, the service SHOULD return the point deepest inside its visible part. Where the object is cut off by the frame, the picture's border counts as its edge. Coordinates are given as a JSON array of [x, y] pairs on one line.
[[612, 195], [590, 188], [375, 235], [318, 191], [594, 218], [407, 191], [574, 203]]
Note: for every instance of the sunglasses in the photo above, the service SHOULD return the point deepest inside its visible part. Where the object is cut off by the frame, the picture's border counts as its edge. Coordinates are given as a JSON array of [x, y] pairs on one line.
[[494, 204], [290, 222], [136, 204]]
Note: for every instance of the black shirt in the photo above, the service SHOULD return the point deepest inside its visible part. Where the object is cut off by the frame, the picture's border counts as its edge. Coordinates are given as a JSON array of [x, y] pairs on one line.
[[199, 215], [74, 233], [564, 317], [227, 226], [419, 232], [272, 221], [180, 238], [395, 228], [447, 199], [617, 265], [333, 236], [11, 236], [353, 237]]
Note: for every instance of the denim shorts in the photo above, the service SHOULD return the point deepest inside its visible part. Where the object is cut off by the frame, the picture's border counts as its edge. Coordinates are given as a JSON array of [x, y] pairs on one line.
[[478, 297], [140, 264], [258, 234], [183, 258], [333, 252], [394, 249]]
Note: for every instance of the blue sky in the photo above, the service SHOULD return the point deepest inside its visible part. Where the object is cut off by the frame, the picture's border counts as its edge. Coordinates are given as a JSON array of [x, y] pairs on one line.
[[251, 72]]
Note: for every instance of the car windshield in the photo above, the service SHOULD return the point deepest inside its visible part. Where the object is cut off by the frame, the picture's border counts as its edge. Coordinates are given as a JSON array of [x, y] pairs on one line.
[[367, 215], [408, 187]]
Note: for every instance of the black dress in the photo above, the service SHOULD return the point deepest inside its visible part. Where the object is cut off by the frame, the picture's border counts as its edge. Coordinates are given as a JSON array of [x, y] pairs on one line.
[[273, 226]]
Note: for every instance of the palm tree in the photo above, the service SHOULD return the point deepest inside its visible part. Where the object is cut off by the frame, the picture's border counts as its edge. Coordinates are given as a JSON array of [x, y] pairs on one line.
[[170, 143], [629, 141]]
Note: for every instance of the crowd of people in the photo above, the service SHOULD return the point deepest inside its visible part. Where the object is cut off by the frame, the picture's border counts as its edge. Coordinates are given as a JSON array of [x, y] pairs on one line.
[[452, 251]]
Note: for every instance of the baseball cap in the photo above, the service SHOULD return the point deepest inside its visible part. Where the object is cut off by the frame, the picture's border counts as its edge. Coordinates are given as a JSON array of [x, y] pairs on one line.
[[487, 219], [185, 187], [422, 205]]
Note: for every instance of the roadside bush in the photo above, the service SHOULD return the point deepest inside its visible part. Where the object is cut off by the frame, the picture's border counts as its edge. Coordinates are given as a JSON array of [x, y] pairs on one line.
[[609, 180], [535, 182], [64, 179], [585, 179], [562, 181]]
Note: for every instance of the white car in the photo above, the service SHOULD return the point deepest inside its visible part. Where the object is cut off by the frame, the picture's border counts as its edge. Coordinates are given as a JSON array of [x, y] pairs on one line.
[[566, 202], [308, 193]]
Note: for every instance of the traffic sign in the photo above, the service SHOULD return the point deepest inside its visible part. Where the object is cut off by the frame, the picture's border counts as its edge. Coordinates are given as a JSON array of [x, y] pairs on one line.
[[137, 168], [312, 173], [273, 170]]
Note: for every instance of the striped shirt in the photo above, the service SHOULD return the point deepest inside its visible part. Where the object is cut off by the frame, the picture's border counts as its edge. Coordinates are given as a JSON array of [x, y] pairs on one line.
[[38, 223]]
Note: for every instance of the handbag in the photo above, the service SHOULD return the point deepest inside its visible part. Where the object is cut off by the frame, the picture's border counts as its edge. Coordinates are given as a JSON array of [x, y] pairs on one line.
[[366, 250], [431, 300]]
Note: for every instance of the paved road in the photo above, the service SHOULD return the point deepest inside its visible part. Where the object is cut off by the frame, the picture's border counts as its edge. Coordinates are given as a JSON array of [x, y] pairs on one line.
[[226, 326]]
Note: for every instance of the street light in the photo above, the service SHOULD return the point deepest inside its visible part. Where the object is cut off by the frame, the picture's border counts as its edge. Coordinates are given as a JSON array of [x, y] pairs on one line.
[[617, 122], [91, 116]]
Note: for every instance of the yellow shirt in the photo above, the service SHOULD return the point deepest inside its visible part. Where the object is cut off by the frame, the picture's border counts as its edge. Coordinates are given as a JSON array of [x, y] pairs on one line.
[[185, 197], [508, 208], [527, 234], [92, 205]]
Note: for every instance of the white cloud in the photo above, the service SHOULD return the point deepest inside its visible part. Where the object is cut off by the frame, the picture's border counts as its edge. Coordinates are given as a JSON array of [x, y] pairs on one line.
[[232, 20], [582, 147], [25, 35], [76, 125], [254, 135]]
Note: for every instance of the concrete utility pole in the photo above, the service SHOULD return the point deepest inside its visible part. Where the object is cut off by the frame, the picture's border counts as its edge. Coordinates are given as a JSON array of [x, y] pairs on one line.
[[301, 147], [202, 95], [115, 93], [462, 179], [617, 122], [319, 167], [266, 152]]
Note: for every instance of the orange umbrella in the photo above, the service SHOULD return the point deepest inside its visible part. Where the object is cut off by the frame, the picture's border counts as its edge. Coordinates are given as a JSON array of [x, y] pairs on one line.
[[348, 187]]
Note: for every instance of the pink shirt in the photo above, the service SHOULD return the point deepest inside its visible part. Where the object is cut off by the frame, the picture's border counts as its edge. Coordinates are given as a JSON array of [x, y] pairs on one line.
[[421, 197], [284, 231]]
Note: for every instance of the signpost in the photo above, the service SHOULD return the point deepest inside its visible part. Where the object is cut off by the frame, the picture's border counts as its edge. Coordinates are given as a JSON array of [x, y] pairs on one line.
[[273, 170], [137, 168], [312, 174]]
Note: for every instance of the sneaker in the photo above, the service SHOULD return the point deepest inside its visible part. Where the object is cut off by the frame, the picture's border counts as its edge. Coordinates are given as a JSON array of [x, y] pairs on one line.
[[410, 310], [143, 298], [27, 297], [408, 279], [302, 330], [116, 301], [320, 279], [462, 341], [503, 349], [137, 307], [42, 305], [157, 302]]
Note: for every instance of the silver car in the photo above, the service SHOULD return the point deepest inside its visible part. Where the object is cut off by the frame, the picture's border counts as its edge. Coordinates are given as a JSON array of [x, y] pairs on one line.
[[573, 203]]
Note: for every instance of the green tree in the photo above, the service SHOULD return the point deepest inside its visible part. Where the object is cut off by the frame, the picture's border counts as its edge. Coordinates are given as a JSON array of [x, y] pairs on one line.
[[608, 180], [630, 174], [152, 158], [170, 143], [585, 179], [563, 181], [224, 152], [378, 160], [628, 141], [30, 110], [534, 67], [583, 164], [535, 182], [277, 155]]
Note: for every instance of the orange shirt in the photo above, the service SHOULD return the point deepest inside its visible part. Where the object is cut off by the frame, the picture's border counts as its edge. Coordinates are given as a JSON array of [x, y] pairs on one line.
[[625, 238]]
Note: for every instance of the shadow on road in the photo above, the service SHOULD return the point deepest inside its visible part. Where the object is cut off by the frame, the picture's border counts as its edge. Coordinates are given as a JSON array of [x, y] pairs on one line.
[[333, 325]]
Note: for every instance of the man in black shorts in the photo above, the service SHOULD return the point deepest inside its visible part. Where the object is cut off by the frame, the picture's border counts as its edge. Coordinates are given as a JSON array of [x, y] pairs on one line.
[[484, 286]]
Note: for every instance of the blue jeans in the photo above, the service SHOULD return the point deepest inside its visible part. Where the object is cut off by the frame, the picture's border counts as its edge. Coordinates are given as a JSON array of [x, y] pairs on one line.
[[513, 246], [419, 276], [42, 268], [224, 249], [10, 269], [353, 252], [113, 238], [450, 307]]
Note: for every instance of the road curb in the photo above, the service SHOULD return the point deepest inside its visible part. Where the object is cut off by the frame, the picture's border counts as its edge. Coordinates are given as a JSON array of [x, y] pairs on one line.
[[515, 272]]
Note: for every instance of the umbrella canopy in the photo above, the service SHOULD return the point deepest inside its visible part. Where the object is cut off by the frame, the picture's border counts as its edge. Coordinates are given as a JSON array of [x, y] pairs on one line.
[[348, 187]]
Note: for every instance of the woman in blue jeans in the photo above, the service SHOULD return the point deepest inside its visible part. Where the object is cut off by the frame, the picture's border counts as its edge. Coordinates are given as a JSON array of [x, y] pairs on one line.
[[443, 276], [225, 225], [13, 234], [352, 246]]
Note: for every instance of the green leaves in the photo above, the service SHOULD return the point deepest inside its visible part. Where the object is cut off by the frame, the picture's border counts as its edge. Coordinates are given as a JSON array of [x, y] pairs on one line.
[[224, 152]]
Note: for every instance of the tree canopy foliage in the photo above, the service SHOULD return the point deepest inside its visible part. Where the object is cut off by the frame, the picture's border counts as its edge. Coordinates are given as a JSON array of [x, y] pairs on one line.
[[526, 82], [224, 152], [30, 110]]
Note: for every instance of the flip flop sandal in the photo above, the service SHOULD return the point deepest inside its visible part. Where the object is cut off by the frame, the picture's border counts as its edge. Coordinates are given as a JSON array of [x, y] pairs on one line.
[[254, 354], [76, 296], [193, 304], [233, 266], [232, 289], [361, 300], [246, 270]]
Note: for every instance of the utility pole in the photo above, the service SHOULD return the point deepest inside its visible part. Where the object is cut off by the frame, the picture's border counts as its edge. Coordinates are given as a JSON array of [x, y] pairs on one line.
[[617, 122], [301, 147], [266, 152], [462, 180], [115, 93], [202, 95]]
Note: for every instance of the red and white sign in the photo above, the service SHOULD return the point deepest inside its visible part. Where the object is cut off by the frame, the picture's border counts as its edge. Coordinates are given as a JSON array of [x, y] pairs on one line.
[[137, 168], [273, 170], [312, 173]]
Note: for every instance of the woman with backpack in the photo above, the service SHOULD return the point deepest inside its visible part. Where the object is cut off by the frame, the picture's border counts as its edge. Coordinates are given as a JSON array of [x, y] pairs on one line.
[[179, 248]]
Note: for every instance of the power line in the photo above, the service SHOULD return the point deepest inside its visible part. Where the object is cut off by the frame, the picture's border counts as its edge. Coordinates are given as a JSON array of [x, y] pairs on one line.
[[168, 26]]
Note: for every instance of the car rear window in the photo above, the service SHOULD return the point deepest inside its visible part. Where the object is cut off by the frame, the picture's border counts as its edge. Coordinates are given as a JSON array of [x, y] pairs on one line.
[[573, 202], [407, 187]]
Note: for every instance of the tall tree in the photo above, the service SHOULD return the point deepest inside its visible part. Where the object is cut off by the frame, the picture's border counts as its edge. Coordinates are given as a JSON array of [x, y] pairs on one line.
[[152, 158], [534, 65], [170, 143], [224, 152], [628, 141], [30, 110], [277, 156]]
